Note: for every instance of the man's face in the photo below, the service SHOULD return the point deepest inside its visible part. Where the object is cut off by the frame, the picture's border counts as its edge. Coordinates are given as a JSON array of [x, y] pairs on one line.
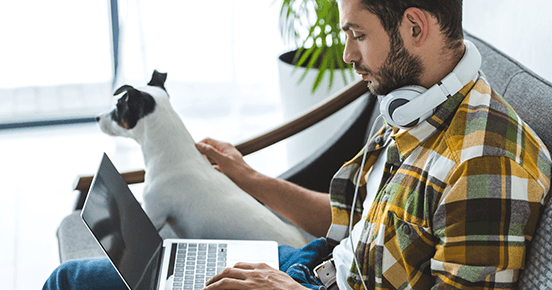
[[381, 60]]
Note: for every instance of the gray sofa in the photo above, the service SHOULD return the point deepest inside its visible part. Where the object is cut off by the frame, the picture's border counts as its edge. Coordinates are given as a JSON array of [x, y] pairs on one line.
[[529, 94]]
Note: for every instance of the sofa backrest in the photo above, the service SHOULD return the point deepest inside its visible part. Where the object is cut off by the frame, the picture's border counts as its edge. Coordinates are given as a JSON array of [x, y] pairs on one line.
[[531, 97]]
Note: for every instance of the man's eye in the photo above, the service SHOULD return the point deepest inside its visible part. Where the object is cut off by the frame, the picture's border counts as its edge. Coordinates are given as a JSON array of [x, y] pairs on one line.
[[357, 37]]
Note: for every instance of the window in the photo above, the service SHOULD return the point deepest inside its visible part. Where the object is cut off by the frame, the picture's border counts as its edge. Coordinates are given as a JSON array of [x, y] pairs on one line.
[[55, 58]]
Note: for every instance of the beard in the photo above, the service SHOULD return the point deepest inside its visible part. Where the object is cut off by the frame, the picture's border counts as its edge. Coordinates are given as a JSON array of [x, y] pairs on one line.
[[399, 69]]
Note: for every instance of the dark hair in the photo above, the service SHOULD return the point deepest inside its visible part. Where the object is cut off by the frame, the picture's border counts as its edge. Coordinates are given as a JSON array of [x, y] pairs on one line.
[[447, 12]]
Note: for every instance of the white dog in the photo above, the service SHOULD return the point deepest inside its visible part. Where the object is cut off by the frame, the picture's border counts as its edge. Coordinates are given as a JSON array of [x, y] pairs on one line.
[[181, 187]]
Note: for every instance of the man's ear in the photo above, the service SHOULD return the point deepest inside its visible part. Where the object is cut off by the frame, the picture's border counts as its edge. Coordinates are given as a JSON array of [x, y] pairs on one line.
[[416, 25]]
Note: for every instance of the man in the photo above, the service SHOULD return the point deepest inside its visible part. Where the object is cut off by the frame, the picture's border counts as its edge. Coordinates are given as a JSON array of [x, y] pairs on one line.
[[449, 203], [449, 211]]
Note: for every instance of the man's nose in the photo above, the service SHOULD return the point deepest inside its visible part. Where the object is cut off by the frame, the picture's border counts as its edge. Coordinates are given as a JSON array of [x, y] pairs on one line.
[[350, 53]]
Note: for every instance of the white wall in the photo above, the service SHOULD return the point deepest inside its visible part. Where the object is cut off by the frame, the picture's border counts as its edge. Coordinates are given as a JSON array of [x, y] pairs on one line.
[[521, 29]]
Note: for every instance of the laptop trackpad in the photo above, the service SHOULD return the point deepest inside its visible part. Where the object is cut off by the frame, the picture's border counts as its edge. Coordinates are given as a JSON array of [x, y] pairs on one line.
[[253, 252]]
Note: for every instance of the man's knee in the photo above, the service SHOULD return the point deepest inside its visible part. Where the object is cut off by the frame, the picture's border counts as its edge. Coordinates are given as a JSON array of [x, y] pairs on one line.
[[75, 274], [59, 279]]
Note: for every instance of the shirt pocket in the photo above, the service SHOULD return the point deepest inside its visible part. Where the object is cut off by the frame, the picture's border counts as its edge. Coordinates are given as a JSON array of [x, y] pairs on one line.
[[412, 247]]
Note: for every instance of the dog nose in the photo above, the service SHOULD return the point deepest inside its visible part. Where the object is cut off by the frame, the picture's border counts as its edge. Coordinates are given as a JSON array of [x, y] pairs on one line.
[[97, 118]]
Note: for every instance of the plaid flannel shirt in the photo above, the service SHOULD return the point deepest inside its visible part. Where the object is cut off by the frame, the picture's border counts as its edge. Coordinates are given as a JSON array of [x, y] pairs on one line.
[[459, 199]]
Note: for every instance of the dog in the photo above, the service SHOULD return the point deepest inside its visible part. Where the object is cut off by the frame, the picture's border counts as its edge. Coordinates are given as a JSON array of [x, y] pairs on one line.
[[181, 187]]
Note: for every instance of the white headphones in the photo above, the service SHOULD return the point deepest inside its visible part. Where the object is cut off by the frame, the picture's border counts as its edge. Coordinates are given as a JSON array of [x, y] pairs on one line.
[[408, 106]]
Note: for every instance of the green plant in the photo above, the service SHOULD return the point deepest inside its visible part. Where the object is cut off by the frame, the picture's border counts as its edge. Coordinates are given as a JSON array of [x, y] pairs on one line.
[[323, 45]]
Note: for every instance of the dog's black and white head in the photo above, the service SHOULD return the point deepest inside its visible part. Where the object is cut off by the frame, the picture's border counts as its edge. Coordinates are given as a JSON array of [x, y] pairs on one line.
[[133, 105]]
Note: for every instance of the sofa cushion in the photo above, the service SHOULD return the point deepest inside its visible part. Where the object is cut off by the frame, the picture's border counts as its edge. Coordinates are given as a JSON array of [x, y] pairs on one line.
[[538, 267], [74, 239]]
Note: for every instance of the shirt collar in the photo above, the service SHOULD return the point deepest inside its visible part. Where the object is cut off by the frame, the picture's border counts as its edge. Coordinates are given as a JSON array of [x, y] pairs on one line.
[[410, 139]]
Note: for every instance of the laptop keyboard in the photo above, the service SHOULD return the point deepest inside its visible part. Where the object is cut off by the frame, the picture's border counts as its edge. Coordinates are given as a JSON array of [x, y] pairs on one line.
[[197, 263]]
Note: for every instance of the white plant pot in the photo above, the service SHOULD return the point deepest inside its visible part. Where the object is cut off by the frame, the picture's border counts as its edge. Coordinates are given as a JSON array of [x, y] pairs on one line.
[[297, 98]]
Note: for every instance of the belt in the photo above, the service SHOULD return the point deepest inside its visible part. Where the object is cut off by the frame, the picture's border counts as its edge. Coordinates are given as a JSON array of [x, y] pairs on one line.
[[326, 273]]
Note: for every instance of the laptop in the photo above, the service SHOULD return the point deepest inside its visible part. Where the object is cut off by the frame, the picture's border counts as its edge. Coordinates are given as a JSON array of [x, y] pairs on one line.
[[141, 257]]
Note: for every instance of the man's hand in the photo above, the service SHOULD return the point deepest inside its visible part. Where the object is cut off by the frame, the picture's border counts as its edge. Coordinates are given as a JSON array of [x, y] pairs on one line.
[[252, 276], [226, 159]]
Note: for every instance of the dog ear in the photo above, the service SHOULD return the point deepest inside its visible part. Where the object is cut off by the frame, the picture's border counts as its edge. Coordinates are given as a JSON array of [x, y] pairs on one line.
[[158, 79], [122, 89], [133, 99]]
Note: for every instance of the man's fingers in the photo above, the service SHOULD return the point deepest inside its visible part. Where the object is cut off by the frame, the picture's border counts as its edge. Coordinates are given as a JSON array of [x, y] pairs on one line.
[[209, 151], [238, 272], [249, 276], [212, 142], [232, 273], [226, 283], [249, 266]]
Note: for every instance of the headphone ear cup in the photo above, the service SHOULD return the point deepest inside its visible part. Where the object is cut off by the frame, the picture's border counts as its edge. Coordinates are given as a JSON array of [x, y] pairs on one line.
[[399, 98], [395, 104]]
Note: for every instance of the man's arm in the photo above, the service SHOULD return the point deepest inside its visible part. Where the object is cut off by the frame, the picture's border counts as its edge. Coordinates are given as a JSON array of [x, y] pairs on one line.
[[483, 224], [307, 209]]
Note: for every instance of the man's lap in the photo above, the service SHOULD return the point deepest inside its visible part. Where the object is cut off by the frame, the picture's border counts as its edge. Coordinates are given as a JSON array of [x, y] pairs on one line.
[[298, 263], [94, 273]]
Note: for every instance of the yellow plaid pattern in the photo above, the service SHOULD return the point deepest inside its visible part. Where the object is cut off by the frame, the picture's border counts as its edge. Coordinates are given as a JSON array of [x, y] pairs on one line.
[[459, 199]]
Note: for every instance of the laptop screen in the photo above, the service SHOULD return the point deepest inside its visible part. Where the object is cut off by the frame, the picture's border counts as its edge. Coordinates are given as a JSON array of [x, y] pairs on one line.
[[122, 228]]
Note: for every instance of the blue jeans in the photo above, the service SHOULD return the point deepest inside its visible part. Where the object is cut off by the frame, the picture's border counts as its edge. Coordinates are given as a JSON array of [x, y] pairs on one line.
[[98, 273]]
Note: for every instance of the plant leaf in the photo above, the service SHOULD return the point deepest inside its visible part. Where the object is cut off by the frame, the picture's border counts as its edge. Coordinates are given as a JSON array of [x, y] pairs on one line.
[[303, 54], [324, 33], [322, 70]]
